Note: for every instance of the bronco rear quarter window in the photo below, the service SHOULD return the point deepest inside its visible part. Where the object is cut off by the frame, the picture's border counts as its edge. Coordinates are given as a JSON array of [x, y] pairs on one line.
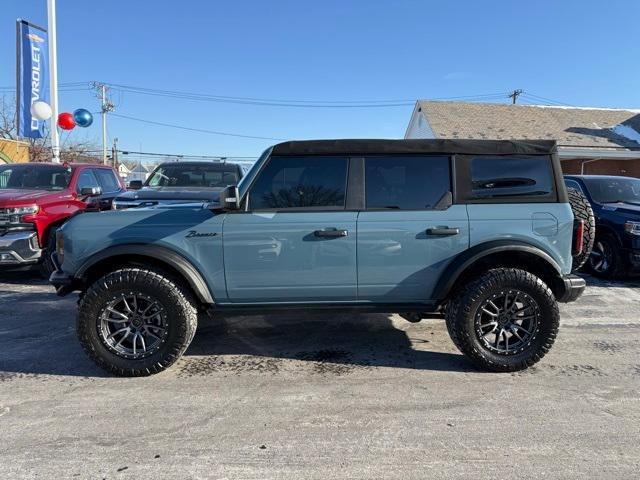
[[507, 179]]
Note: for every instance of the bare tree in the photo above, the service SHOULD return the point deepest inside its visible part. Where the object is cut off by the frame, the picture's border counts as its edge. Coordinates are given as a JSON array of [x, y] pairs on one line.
[[40, 148], [7, 119]]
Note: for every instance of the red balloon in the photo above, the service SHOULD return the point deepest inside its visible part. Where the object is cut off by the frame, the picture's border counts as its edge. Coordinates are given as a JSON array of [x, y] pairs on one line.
[[66, 121]]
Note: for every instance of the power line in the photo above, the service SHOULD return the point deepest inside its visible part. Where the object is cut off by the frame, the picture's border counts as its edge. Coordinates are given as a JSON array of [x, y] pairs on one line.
[[180, 155], [537, 98], [203, 96], [70, 86], [212, 132], [287, 102]]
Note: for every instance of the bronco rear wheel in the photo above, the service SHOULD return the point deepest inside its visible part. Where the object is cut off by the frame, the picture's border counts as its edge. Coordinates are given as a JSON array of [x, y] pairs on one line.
[[135, 322], [504, 321]]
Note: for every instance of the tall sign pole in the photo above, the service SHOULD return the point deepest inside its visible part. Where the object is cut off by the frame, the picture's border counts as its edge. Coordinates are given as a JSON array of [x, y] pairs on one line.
[[53, 79]]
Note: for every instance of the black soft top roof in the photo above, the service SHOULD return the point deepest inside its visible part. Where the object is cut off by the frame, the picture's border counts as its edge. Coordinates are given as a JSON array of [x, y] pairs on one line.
[[416, 146]]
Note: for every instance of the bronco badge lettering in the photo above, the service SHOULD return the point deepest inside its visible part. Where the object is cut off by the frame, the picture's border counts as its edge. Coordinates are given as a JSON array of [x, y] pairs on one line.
[[193, 233]]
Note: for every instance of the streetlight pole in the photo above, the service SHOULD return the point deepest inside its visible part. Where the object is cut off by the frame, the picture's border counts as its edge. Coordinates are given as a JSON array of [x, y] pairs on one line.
[[53, 79]]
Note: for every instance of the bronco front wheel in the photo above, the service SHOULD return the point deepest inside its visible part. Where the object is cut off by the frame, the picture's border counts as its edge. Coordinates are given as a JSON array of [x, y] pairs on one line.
[[504, 321], [135, 322]]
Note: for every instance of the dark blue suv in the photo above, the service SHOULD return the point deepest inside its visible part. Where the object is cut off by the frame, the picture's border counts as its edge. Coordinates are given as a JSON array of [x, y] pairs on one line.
[[616, 206]]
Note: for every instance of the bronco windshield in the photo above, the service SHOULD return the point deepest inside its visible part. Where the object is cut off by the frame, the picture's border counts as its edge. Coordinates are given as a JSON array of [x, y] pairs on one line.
[[206, 175], [27, 176], [614, 189]]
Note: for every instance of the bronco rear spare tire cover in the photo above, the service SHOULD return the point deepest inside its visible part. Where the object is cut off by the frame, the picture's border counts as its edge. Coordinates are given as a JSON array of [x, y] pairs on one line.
[[582, 211]]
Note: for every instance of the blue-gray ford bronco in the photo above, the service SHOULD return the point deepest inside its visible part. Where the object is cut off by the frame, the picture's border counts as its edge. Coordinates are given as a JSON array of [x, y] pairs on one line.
[[477, 232]]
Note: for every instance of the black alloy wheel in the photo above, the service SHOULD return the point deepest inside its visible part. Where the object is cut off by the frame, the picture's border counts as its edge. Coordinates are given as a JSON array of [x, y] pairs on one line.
[[133, 325], [507, 321], [605, 260]]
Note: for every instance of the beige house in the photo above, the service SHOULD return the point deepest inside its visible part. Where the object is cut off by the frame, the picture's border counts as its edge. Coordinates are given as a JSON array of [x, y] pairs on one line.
[[13, 151], [590, 140]]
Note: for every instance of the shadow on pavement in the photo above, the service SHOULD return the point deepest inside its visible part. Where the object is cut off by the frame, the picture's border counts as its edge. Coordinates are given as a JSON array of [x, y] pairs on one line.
[[22, 277], [628, 282], [369, 340], [37, 337]]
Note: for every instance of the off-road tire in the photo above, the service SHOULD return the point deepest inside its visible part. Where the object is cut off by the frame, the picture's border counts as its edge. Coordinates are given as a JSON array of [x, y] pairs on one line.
[[616, 266], [177, 302], [462, 308], [46, 266], [582, 211]]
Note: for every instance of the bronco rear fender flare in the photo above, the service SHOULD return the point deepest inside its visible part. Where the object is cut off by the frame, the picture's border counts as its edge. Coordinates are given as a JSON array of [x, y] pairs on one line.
[[158, 254], [466, 259]]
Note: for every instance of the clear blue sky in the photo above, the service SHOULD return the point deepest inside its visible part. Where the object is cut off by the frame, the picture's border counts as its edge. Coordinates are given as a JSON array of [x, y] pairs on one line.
[[579, 52]]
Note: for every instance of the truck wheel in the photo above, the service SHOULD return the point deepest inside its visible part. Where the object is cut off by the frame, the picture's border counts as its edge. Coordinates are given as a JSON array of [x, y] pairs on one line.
[[135, 322], [582, 211], [504, 321], [605, 261]]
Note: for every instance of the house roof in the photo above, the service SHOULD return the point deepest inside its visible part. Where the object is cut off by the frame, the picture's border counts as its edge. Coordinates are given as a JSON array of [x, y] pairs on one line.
[[576, 127], [136, 166]]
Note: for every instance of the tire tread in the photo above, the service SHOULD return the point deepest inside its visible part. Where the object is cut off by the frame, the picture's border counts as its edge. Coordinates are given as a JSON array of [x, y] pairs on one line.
[[459, 312], [90, 301]]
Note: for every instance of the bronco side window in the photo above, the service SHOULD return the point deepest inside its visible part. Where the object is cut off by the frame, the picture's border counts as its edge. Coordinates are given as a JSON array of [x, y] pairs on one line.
[[300, 182], [406, 182], [511, 178]]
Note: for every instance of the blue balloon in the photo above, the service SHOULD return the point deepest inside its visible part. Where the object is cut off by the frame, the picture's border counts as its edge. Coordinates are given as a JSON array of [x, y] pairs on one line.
[[83, 117]]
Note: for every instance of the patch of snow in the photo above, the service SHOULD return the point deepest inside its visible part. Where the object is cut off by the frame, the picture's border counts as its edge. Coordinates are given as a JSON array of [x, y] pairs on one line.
[[627, 132]]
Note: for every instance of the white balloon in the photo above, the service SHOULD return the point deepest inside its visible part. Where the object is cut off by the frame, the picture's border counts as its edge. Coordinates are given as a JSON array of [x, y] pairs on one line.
[[41, 110]]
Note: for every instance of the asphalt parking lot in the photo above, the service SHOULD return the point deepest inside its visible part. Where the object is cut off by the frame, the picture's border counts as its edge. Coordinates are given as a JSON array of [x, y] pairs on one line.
[[320, 396]]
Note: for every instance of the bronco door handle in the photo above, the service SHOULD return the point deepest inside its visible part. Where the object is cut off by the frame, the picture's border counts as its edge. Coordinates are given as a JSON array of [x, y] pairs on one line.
[[331, 233], [443, 231]]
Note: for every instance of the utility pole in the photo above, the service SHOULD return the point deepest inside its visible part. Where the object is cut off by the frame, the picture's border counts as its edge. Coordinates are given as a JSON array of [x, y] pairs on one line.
[[53, 79], [515, 94], [105, 106], [114, 153]]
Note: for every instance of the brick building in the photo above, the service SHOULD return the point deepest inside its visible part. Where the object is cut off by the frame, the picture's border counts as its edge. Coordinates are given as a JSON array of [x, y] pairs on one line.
[[590, 140]]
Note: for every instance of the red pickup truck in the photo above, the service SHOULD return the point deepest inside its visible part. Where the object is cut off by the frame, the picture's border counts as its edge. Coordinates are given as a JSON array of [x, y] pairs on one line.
[[36, 198]]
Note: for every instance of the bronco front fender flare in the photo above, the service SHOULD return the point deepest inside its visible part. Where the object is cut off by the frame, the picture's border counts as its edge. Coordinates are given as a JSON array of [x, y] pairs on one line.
[[159, 254], [477, 252]]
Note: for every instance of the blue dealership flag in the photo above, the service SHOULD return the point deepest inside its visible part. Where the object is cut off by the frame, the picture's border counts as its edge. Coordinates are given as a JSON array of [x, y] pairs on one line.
[[33, 72]]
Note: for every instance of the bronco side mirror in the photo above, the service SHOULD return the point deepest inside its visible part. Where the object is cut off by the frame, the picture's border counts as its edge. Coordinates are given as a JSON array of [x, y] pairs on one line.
[[90, 191], [230, 198], [135, 184]]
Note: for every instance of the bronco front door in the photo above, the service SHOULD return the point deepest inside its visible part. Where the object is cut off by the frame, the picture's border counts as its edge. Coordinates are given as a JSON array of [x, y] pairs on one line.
[[294, 241]]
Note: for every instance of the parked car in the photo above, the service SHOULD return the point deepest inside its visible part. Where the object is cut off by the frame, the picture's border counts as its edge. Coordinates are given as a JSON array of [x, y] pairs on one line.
[[36, 198], [180, 181], [479, 232], [616, 205]]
